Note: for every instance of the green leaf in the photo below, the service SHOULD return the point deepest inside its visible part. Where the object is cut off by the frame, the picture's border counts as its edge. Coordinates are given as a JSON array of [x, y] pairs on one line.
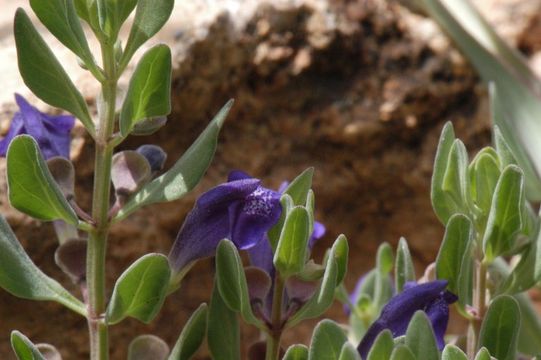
[[149, 91], [147, 347], [485, 175], [223, 329], [60, 18], [525, 274], [340, 249], [298, 189], [327, 341], [116, 12], [505, 154], [382, 347], [150, 16], [517, 105], [22, 278], [404, 269], [420, 337], [349, 352], [186, 172], [31, 187], [43, 74], [529, 339], [500, 328], [231, 281], [402, 352], [451, 352], [384, 258], [24, 348], [141, 290], [274, 233], [444, 206], [483, 354], [88, 11], [323, 297], [455, 179], [455, 257], [505, 218], [192, 335], [290, 254], [296, 352]]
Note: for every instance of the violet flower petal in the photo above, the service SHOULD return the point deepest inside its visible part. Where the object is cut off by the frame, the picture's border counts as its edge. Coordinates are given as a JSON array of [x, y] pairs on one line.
[[208, 222], [52, 133], [253, 217], [398, 312]]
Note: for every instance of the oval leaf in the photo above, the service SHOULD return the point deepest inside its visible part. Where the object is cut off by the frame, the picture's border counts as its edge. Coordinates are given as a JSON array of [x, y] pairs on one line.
[[402, 352], [451, 352], [23, 347], [443, 204], [290, 254], [420, 337], [327, 341], [505, 217], [232, 283], [349, 353], [455, 258], [31, 187], [340, 250], [141, 290], [60, 18], [150, 16], [116, 12], [22, 278], [186, 172], [382, 347], [404, 269], [296, 352], [192, 335], [43, 74], [149, 91], [500, 328]]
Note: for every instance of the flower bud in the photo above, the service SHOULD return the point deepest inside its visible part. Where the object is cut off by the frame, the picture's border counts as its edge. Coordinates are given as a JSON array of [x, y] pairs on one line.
[[129, 172], [71, 258], [155, 156], [64, 174]]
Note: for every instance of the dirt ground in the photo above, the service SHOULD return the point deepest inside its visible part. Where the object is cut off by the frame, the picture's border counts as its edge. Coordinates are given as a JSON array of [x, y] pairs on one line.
[[358, 89]]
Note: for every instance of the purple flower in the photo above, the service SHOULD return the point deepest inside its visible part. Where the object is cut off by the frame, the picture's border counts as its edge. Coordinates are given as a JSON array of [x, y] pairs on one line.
[[240, 210], [52, 133], [430, 297]]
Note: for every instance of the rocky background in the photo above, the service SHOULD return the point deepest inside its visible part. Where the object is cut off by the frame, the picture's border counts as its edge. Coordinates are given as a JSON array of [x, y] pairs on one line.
[[358, 89]]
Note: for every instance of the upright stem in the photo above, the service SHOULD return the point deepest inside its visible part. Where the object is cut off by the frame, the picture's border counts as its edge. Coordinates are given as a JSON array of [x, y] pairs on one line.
[[479, 303], [97, 242], [273, 340]]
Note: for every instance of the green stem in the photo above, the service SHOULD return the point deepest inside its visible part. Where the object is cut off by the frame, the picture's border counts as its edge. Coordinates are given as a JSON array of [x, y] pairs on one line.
[[97, 242], [479, 303], [274, 336]]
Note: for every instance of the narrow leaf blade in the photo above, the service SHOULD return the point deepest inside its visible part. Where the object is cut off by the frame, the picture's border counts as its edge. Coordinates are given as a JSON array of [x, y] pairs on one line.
[[186, 172], [43, 73]]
